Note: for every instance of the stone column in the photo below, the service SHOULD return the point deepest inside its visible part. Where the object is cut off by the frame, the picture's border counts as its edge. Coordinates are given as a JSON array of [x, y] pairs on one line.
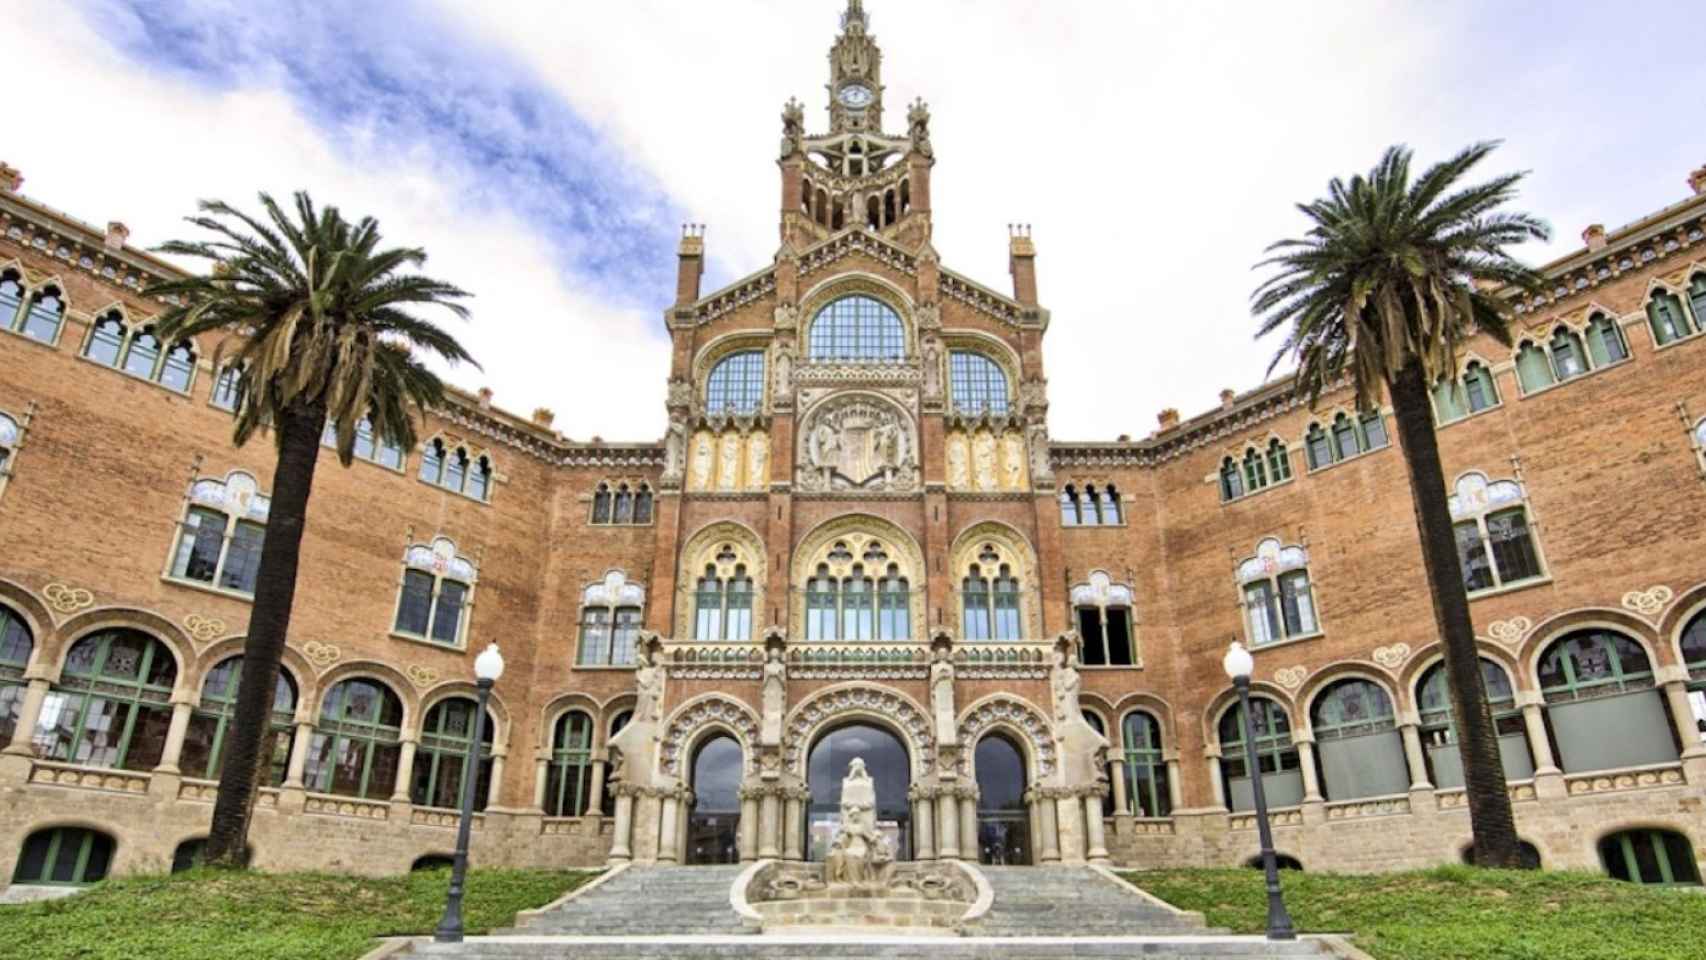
[[299, 748], [1070, 812], [794, 827], [1412, 735], [1682, 715], [1176, 789], [1306, 764], [1033, 807], [948, 826], [405, 772], [1051, 829], [22, 737], [1539, 744], [968, 826], [541, 776], [175, 733], [620, 849], [770, 825], [748, 828], [683, 810], [1116, 773], [923, 828], [595, 793], [1216, 780], [1093, 829], [669, 842]]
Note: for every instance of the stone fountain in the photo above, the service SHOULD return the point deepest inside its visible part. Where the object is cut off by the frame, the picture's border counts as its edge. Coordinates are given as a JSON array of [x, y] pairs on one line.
[[860, 885]]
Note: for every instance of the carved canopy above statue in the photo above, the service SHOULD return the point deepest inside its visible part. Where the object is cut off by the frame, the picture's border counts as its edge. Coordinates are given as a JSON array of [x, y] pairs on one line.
[[858, 442]]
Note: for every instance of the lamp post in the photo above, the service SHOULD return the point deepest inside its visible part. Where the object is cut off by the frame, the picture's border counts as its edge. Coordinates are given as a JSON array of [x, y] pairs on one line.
[[488, 667], [1239, 665]]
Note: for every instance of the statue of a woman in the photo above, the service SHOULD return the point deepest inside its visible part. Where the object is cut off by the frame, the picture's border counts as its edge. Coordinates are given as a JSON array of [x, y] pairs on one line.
[[773, 696]]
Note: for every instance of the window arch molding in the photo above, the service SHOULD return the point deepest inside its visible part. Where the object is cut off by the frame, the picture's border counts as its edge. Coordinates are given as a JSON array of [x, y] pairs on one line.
[[1628, 626], [991, 348], [1148, 703], [700, 718], [703, 549], [1673, 627], [1672, 863], [611, 617], [1013, 550], [92, 622], [1227, 700], [552, 713], [291, 662], [221, 530], [1473, 390], [1408, 678], [173, 366], [462, 689], [387, 676], [623, 502], [457, 466], [858, 532], [1665, 309], [23, 605], [1309, 695], [23, 319], [1104, 613], [1008, 715], [722, 347], [828, 708], [813, 302]]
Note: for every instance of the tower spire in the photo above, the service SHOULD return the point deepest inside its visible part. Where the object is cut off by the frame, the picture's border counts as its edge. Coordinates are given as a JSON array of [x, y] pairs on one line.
[[854, 14]]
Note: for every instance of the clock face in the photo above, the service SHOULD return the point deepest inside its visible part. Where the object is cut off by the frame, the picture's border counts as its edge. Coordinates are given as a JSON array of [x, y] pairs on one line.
[[856, 96]]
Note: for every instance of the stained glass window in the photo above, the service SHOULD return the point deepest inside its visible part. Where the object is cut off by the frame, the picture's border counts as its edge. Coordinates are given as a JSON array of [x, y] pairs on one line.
[[110, 707]]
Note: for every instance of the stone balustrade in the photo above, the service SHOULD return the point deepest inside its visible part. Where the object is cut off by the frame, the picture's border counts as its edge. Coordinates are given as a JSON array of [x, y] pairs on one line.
[[49, 773], [1398, 805], [350, 807], [1618, 781]]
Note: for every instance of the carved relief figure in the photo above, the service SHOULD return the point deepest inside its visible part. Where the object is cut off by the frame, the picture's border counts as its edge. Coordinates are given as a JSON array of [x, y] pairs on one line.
[[784, 386], [932, 369], [983, 456], [702, 460], [1012, 461], [757, 461], [674, 452], [728, 475], [1083, 750], [1040, 467], [773, 696], [858, 443], [636, 745], [942, 693], [959, 467]]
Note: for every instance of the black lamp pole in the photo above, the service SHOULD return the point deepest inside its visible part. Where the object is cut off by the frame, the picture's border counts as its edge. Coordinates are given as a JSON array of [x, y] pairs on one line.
[[1279, 921], [450, 926]]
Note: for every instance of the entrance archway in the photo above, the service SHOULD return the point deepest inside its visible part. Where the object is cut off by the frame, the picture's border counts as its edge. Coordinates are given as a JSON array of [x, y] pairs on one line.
[[886, 761], [1003, 819], [713, 827]]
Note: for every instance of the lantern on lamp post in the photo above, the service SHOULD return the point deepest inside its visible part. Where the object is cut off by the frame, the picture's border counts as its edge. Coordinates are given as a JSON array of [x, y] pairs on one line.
[[488, 667], [1239, 665]]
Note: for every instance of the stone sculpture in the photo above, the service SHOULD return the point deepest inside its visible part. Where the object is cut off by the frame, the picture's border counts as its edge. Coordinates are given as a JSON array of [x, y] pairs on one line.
[[773, 696], [861, 857], [637, 743], [1083, 750], [942, 693]]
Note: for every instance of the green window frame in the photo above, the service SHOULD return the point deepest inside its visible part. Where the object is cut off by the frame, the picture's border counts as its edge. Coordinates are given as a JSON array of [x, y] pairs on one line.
[[435, 599], [1497, 549], [1533, 368], [894, 607], [1318, 447], [206, 739], [1478, 385], [42, 316], [111, 707], [1352, 707], [444, 757], [64, 857], [1667, 319], [1569, 359], [1275, 753], [16, 645], [1255, 471], [1653, 857], [1231, 480], [569, 777], [357, 743], [1279, 461], [1593, 663], [722, 609], [1450, 402], [1697, 298], [976, 615], [1605, 341], [1147, 792], [1433, 696], [823, 603]]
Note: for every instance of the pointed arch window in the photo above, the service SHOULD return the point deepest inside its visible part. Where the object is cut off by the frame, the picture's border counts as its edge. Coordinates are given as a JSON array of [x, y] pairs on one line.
[[722, 606], [1568, 357], [43, 312], [1667, 318], [220, 534], [736, 383], [1279, 599], [444, 758], [208, 737], [1069, 506], [1111, 513], [1439, 727], [227, 393], [1605, 341], [1231, 480], [357, 744], [1276, 756], [569, 778], [367, 446], [106, 339], [10, 435], [857, 328], [979, 385], [974, 591], [822, 602], [11, 298], [1697, 297], [1533, 368], [437, 594], [1147, 791], [455, 470], [1470, 394], [894, 607], [1495, 542], [111, 705], [140, 353]]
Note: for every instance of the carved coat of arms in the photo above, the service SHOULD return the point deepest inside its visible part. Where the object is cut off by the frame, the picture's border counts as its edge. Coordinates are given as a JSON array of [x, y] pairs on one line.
[[858, 444]]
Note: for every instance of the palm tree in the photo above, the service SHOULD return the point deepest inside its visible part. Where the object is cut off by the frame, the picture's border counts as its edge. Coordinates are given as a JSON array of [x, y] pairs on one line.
[[314, 316], [1390, 281]]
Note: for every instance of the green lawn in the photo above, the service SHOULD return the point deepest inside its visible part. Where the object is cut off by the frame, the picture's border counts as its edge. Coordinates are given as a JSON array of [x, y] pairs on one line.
[[1457, 912], [210, 915]]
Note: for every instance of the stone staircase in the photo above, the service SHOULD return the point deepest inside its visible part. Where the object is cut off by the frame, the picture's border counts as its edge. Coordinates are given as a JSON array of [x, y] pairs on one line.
[[683, 913]]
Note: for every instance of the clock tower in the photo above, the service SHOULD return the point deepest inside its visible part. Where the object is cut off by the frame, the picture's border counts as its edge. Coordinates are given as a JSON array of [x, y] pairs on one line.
[[855, 75]]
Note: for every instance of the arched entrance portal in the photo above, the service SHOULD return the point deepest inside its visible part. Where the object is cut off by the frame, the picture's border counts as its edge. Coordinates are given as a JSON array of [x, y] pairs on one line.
[[885, 759], [1003, 820], [713, 826]]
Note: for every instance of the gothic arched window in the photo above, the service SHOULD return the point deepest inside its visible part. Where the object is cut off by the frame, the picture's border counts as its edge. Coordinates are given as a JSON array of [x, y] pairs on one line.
[[979, 385], [857, 328], [1667, 318], [736, 383]]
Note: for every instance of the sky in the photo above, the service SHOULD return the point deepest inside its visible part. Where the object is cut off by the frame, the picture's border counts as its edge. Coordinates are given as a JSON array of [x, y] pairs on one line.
[[545, 153]]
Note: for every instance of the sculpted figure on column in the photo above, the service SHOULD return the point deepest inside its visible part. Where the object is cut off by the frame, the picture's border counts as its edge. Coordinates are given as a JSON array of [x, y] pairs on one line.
[[861, 856], [1083, 751], [942, 691], [635, 747], [773, 695]]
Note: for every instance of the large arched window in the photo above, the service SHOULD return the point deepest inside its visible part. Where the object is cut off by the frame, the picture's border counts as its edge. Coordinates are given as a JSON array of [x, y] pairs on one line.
[[441, 760], [1669, 321], [1601, 705], [64, 856], [568, 779], [979, 385], [210, 726], [736, 383], [1439, 727], [358, 742], [1276, 756], [1359, 749], [1279, 599], [857, 328], [15, 647], [1650, 856], [1694, 657], [1145, 766], [110, 707], [888, 763]]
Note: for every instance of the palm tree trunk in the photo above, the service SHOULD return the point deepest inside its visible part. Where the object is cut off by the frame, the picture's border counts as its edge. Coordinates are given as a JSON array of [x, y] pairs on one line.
[[1490, 818], [275, 591]]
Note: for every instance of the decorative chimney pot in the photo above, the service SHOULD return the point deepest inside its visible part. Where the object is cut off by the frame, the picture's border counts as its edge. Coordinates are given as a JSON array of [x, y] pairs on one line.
[[544, 417], [1168, 418], [1594, 236], [1697, 180], [117, 235], [485, 398], [1226, 397], [11, 178]]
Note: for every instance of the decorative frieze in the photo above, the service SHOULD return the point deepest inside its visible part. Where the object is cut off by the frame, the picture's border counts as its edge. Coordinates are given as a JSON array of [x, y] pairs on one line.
[[442, 819], [1457, 799], [1003, 661], [859, 661], [1618, 782], [1377, 807], [1392, 657], [1157, 827], [718, 710], [52, 774], [860, 700], [64, 598], [1289, 817], [347, 807], [714, 661], [1015, 713]]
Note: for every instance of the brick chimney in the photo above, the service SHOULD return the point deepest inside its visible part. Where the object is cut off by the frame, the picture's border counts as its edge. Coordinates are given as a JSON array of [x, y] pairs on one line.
[[117, 235], [1022, 263], [691, 266], [1696, 180], [544, 417], [1594, 236], [485, 398], [1168, 418], [11, 178], [1226, 398]]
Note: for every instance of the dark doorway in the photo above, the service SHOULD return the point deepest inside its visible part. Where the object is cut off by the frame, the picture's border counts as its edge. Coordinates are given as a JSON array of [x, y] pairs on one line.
[[713, 826], [1003, 818], [886, 761]]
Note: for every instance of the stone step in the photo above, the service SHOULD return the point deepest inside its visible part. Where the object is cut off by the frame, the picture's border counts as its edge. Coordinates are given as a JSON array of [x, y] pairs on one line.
[[886, 948]]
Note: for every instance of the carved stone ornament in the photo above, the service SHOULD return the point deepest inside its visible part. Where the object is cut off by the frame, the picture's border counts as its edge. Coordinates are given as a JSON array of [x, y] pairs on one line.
[[813, 714], [1021, 715], [786, 316], [203, 629], [321, 654], [67, 599], [1510, 632], [858, 442], [680, 393], [1649, 601], [421, 677], [1291, 677], [717, 710], [1391, 657], [928, 316]]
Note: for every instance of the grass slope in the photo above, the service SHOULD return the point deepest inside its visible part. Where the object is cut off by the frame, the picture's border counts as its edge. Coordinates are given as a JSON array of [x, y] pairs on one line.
[[214, 915], [1457, 912]]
